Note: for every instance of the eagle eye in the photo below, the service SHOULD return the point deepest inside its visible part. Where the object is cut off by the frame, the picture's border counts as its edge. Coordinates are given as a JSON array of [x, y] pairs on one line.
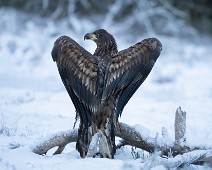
[[97, 34]]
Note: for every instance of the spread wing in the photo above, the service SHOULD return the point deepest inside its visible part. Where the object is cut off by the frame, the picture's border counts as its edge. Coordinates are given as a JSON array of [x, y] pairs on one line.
[[80, 74], [128, 70]]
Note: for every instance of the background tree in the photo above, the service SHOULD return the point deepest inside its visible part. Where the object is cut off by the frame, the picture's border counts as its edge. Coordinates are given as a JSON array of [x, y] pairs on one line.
[[196, 13]]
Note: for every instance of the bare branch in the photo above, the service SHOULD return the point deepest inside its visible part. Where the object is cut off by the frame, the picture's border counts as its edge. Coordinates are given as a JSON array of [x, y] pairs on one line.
[[183, 160], [138, 136], [132, 137], [180, 126], [60, 139], [126, 132]]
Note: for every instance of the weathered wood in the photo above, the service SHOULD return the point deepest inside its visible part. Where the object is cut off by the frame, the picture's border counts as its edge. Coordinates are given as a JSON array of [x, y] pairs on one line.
[[60, 139], [184, 161], [126, 132], [180, 126], [131, 136]]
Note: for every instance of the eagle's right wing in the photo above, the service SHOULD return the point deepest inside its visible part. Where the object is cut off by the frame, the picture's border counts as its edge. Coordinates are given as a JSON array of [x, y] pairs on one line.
[[128, 70], [80, 74]]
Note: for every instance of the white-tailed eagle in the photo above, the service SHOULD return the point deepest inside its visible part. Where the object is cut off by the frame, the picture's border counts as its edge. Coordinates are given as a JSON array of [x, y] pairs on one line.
[[100, 85]]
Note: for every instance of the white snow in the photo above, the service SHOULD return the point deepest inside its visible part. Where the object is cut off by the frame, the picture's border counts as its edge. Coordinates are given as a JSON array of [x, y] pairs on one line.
[[144, 132], [34, 103]]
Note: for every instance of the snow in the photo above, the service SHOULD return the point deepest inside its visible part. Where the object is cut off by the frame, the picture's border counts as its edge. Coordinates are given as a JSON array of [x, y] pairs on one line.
[[34, 103], [144, 132]]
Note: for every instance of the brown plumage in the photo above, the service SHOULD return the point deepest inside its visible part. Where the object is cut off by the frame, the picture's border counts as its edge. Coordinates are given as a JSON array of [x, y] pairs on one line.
[[100, 85]]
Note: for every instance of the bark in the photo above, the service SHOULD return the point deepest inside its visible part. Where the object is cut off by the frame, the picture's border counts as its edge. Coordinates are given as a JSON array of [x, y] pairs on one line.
[[60, 139], [180, 126]]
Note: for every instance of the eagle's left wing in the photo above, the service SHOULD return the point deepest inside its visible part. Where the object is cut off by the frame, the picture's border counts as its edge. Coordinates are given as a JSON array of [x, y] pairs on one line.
[[80, 74], [128, 70]]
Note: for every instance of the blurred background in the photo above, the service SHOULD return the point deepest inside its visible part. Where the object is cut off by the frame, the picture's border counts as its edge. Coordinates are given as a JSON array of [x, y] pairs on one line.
[[182, 74], [141, 16], [29, 28]]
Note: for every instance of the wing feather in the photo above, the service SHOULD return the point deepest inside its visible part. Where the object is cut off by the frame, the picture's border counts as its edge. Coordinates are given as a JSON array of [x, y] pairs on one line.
[[79, 72], [128, 70]]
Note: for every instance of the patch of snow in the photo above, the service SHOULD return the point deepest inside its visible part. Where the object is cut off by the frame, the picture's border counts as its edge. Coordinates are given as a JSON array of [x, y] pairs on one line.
[[144, 132]]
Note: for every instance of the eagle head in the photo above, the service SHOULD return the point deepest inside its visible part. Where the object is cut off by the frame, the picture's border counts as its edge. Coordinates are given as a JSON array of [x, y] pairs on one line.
[[104, 41]]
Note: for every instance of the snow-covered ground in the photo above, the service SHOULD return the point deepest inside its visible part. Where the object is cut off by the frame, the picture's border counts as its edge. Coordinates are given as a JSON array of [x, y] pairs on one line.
[[34, 103]]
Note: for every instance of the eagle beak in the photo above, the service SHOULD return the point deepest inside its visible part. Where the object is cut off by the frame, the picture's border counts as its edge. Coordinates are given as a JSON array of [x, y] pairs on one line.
[[90, 36]]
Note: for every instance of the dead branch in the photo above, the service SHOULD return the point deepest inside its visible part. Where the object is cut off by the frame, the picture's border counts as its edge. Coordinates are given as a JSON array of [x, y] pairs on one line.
[[183, 160], [180, 126], [60, 139], [130, 136], [133, 138], [126, 132]]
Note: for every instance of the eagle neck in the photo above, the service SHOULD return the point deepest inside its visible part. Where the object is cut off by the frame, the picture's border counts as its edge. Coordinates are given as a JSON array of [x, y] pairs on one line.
[[107, 49]]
